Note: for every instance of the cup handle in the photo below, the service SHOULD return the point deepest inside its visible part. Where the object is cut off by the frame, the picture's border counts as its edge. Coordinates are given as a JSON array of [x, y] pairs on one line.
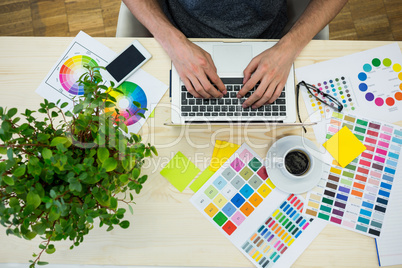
[[279, 162]]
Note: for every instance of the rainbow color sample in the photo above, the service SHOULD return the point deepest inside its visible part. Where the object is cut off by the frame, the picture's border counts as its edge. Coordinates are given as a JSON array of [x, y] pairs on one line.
[[124, 102], [277, 233], [385, 65], [71, 71], [356, 197]]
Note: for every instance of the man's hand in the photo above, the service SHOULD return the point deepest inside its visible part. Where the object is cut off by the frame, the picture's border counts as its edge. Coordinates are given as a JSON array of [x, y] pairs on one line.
[[271, 69], [196, 70]]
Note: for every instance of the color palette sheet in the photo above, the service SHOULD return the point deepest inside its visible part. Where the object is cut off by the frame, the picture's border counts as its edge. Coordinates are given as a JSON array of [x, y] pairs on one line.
[[356, 197], [61, 81], [368, 82], [264, 223]]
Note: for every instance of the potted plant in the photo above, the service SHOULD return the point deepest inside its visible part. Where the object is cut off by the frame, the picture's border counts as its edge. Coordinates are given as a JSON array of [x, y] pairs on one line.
[[59, 173]]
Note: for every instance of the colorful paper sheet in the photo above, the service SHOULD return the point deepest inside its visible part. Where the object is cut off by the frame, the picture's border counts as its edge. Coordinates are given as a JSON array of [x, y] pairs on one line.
[[202, 179], [344, 146], [356, 197], [264, 223], [222, 151], [61, 81], [368, 82], [180, 171]]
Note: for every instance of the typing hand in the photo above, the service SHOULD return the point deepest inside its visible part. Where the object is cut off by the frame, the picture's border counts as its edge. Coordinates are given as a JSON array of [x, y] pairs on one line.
[[270, 68], [197, 70]]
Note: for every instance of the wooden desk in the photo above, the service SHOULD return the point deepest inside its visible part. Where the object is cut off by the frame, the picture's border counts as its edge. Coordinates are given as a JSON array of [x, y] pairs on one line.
[[166, 229]]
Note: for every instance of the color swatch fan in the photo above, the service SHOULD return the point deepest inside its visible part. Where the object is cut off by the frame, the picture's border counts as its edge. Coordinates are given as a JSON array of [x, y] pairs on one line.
[[124, 102]]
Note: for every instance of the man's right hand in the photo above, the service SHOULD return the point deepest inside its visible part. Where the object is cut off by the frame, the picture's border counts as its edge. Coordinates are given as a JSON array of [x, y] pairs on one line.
[[197, 70]]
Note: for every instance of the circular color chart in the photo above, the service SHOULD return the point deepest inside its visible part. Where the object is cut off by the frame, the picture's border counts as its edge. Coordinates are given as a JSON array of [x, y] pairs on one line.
[[71, 71], [363, 87], [124, 102]]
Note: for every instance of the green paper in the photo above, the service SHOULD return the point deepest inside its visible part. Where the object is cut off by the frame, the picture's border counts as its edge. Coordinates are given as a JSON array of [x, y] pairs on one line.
[[202, 179], [180, 171], [152, 115]]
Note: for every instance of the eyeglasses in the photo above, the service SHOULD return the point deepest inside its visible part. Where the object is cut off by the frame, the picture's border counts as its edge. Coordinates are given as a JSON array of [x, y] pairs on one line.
[[319, 95]]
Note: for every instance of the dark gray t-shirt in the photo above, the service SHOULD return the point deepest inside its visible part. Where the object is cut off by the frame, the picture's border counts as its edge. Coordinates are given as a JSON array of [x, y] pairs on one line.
[[228, 18]]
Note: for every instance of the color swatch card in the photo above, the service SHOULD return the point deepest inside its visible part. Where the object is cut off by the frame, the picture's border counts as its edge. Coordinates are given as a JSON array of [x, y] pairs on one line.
[[369, 82], [356, 197], [264, 223], [61, 81]]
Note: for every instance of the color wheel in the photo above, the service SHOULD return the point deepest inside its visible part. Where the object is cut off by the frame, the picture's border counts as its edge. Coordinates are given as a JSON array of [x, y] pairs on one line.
[[124, 102], [71, 71], [387, 66]]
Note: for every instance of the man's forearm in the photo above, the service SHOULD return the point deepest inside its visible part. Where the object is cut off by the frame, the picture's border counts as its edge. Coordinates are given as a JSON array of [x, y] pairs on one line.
[[316, 16], [150, 14]]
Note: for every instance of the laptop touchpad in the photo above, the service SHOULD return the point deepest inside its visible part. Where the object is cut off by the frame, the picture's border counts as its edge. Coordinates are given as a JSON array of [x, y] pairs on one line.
[[232, 59]]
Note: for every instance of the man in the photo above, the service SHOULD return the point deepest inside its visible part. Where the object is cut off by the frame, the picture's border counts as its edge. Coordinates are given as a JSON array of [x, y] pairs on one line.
[[180, 19]]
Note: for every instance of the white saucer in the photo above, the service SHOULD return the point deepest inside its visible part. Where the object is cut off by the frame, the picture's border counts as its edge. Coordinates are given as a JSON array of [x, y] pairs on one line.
[[277, 172]]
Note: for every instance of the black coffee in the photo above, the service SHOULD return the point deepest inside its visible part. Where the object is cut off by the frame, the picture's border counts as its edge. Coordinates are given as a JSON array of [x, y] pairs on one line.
[[297, 162]]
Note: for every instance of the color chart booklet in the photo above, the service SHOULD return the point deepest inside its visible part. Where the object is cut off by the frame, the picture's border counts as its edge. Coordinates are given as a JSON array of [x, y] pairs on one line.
[[368, 82], [264, 223], [61, 81], [357, 196]]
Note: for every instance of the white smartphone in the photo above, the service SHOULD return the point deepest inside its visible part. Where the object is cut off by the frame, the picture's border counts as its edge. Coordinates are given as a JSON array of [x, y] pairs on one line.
[[126, 63]]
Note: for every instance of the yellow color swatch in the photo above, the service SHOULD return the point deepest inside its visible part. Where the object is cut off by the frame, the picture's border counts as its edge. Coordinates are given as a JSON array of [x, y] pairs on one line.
[[344, 146], [223, 150]]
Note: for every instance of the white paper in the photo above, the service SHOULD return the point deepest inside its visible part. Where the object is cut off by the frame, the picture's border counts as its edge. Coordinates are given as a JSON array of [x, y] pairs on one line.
[[60, 83], [351, 78], [291, 245], [389, 245]]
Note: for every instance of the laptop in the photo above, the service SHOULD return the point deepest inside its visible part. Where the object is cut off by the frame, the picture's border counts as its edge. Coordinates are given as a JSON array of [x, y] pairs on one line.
[[231, 58]]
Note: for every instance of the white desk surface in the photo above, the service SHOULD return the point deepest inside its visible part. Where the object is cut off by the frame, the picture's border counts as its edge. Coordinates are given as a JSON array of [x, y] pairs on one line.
[[166, 230]]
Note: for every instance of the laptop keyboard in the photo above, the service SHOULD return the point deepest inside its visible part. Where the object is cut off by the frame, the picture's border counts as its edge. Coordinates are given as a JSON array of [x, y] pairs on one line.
[[229, 104]]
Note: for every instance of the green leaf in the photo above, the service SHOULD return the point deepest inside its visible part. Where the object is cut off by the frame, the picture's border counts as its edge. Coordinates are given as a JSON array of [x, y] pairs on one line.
[[59, 140], [153, 149], [12, 112], [123, 178], [3, 150], [30, 235], [42, 263], [113, 203], [64, 105], [135, 173], [19, 171], [50, 249], [124, 224], [46, 153], [33, 199], [131, 209], [110, 164], [137, 104], [39, 228], [103, 154], [8, 180]]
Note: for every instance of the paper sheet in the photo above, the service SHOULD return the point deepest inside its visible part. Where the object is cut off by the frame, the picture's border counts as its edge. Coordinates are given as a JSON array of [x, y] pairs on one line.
[[180, 171], [222, 151], [389, 245], [356, 197], [264, 223], [200, 181], [344, 146], [368, 82], [61, 81]]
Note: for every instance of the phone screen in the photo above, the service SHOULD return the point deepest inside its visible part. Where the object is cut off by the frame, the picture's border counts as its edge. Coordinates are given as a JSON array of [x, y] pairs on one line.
[[125, 63]]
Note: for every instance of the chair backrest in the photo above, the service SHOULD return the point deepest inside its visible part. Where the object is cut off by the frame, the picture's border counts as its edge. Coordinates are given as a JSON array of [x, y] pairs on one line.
[[129, 26]]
